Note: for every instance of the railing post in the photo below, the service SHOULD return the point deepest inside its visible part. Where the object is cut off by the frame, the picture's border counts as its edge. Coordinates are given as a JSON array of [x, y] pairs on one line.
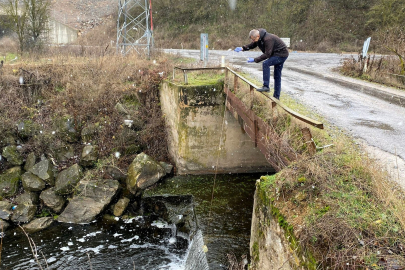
[[226, 84], [235, 83], [256, 131], [185, 77]]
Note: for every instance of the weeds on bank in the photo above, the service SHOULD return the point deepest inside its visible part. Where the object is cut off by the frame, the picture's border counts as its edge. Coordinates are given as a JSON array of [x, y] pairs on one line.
[[384, 69], [87, 90], [343, 208], [341, 204]]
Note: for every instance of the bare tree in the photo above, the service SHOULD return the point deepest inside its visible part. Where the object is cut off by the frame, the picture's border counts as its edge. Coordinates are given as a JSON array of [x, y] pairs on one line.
[[28, 19], [16, 20], [38, 12], [393, 39]]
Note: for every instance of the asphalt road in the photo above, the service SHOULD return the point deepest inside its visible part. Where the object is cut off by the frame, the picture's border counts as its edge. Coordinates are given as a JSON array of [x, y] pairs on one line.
[[372, 114]]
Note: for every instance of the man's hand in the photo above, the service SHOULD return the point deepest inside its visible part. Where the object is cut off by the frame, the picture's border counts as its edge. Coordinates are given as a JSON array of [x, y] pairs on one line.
[[238, 49], [250, 60]]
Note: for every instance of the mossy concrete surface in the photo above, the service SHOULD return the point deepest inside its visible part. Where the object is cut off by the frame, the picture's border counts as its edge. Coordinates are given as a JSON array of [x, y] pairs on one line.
[[203, 137], [273, 244]]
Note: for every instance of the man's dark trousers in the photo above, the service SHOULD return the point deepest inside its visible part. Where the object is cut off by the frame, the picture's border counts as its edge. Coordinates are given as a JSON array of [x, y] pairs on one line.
[[278, 63]]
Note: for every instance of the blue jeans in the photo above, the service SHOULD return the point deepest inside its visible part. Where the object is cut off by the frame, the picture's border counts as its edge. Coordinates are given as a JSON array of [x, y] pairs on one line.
[[278, 63]]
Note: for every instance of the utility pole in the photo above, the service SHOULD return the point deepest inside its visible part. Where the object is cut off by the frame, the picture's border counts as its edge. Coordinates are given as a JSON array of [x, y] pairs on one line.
[[134, 26]]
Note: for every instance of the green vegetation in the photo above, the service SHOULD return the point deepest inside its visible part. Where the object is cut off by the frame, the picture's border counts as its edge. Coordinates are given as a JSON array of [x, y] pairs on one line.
[[351, 214], [331, 25]]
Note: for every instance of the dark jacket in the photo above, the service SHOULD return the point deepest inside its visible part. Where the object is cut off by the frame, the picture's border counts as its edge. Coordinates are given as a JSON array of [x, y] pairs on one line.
[[269, 44]]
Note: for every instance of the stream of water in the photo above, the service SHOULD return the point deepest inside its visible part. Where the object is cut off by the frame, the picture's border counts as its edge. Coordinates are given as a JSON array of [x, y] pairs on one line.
[[142, 243]]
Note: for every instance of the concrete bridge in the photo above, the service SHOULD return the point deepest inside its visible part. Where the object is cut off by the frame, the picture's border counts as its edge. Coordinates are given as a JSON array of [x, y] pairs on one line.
[[213, 127]]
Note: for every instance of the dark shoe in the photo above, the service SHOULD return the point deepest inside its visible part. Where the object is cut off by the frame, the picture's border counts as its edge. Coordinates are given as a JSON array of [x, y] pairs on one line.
[[263, 89]]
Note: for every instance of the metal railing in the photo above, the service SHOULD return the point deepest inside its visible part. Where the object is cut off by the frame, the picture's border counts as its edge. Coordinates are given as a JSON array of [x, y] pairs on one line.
[[252, 87]]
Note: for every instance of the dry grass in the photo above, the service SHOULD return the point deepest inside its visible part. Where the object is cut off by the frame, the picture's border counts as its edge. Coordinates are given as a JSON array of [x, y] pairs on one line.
[[381, 69], [86, 89], [343, 208]]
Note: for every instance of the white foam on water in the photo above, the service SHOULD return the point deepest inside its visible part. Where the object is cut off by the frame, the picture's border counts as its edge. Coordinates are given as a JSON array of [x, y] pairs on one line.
[[96, 250], [172, 240], [51, 259], [160, 224], [136, 237], [64, 248], [130, 220], [112, 247]]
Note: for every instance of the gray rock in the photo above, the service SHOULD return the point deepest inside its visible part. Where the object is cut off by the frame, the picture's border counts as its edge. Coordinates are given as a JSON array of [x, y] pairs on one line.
[[92, 199], [38, 224], [120, 108], [89, 133], [3, 225], [30, 162], [64, 153], [120, 207], [115, 173], [66, 129], [7, 139], [143, 173], [44, 170], [168, 167], [5, 210], [24, 213], [27, 198], [52, 200], [9, 182], [89, 156], [27, 129], [11, 154], [31, 182], [67, 180]]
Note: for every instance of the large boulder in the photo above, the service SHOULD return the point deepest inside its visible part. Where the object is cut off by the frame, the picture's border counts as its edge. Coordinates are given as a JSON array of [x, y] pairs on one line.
[[30, 161], [113, 172], [26, 207], [38, 224], [5, 210], [6, 139], [9, 182], [52, 200], [23, 213], [44, 170], [120, 207], [31, 182], [89, 156], [67, 180], [4, 225], [168, 167], [27, 129], [64, 153], [143, 173], [11, 154], [27, 198], [66, 128], [92, 198], [89, 132]]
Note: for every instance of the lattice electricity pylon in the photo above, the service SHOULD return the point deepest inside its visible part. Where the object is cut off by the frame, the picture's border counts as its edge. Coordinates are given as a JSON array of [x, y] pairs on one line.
[[134, 26]]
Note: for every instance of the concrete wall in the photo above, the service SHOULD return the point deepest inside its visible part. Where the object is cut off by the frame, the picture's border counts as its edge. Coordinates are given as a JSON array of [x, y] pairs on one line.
[[195, 121], [60, 33], [269, 248]]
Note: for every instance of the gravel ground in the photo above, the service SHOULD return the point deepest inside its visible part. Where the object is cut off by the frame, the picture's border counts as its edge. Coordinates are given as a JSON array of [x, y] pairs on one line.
[[82, 14]]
